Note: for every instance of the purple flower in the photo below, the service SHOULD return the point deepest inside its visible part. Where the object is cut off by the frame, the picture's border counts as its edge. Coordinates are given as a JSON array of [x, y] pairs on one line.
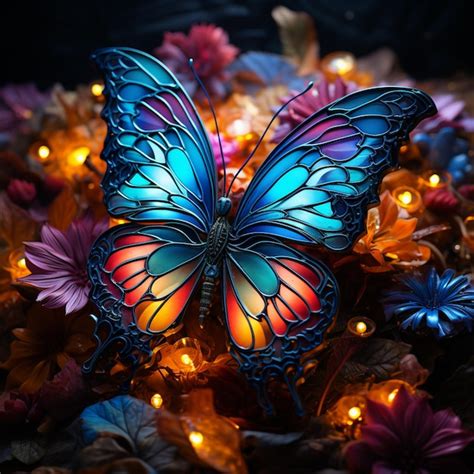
[[58, 263], [407, 437], [301, 108], [18, 102], [209, 47], [229, 148]]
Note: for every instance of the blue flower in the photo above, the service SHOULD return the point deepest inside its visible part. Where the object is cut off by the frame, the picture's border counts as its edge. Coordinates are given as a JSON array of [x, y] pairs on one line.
[[443, 304]]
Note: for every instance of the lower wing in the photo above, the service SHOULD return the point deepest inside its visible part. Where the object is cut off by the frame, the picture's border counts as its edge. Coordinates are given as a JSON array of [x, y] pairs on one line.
[[145, 275], [278, 304]]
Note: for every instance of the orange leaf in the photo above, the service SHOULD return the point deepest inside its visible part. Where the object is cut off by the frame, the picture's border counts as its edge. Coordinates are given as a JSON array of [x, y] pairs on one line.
[[16, 226], [63, 210]]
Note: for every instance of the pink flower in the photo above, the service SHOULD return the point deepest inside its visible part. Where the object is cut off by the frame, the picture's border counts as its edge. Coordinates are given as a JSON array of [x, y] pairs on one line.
[[58, 263], [209, 47], [301, 108], [229, 148], [18, 103], [451, 113], [18, 409], [21, 192], [407, 437]]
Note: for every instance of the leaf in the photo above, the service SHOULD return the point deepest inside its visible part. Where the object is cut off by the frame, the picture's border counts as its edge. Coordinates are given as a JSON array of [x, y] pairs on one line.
[[133, 421], [63, 209], [16, 225], [28, 451], [262, 438], [379, 357], [298, 36]]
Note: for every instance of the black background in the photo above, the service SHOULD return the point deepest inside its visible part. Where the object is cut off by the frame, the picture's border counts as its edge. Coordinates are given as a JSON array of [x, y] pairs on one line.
[[50, 41]]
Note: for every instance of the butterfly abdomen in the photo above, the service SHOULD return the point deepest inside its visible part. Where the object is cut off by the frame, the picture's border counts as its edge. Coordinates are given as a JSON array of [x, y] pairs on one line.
[[216, 244]]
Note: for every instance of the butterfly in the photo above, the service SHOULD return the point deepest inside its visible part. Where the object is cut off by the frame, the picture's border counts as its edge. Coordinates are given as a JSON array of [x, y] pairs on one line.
[[313, 189]]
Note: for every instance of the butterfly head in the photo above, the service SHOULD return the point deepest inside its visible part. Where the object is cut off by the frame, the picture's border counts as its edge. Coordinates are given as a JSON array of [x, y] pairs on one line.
[[224, 204]]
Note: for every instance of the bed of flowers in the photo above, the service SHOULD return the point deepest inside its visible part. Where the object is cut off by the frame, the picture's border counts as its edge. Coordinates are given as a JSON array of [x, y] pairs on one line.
[[390, 390]]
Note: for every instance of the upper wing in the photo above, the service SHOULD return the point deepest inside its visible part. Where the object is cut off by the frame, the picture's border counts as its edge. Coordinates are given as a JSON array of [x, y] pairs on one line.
[[145, 274], [317, 183], [278, 304], [160, 163]]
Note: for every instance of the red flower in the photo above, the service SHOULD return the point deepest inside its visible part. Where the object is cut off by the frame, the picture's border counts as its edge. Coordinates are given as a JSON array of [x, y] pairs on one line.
[[440, 200], [17, 408], [407, 437], [21, 192], [209, 47]]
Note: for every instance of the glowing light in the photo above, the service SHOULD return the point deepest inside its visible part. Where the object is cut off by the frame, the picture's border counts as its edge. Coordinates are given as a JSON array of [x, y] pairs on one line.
[[354, 413], [196, 439], [361, 327], [240, 130], [97, 89], [156, 401], [392, 395], [186, 359], [339, 63], [21, 263], [403, 149], [78, 156], [405, 198], [43, 152], [434, 180]]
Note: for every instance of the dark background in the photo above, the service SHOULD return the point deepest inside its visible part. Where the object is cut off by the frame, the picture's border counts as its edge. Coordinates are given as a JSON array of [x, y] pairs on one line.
[[50, 41]]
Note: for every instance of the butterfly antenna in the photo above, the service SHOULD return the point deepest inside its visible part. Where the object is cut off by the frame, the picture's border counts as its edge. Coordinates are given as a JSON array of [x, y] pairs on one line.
[[198, 79], [277, 113]]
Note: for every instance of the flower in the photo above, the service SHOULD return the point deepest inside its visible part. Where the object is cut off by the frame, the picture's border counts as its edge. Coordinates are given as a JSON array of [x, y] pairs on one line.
[[58, 263], [388, 241], [209, 47], [407, 437], [18, 102], [47, 343], [21, 192], [451, 113], [446, 151], [17, 408], [440, 200], [230, 148], [301, 108], [443, 304]]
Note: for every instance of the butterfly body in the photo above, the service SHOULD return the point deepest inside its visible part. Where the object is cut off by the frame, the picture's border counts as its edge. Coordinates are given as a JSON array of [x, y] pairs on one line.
[[312, 190], [215, 247]]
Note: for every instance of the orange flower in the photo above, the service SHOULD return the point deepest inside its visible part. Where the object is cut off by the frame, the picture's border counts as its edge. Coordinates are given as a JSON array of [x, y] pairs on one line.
[[49, 340], [388, 242]]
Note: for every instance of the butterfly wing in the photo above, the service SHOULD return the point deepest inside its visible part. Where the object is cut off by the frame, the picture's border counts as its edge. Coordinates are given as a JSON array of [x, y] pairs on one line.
[[278, 304], [160, 166], [146, 274], [314, 188]]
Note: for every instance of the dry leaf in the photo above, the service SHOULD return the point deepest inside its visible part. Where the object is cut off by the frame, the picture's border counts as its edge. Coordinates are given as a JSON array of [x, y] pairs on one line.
[[298, 37], [16, 226], [63, 210]]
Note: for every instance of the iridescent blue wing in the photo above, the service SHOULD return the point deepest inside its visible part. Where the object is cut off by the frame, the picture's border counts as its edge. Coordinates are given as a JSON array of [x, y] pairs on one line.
[[315, 186], [160, 162], [278, 304]]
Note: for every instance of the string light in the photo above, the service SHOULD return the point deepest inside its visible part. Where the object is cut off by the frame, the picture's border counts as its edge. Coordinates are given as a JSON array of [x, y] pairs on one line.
[[354, 413], [43, 152], [97, 89], [78, 156], [339, 63], [21, 263], [186, 360], [361, 327], [434, 180], [408, 198], [156, 401], [392, 395], [196, 438]]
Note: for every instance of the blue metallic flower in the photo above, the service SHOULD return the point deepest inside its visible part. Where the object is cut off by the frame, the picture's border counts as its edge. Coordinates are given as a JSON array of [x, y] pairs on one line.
[[442, 304]]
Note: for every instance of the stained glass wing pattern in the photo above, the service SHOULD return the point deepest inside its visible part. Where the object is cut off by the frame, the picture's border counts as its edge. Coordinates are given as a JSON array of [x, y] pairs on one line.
[[146, 274], [278, 304], [314, 188], [160, 165]]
